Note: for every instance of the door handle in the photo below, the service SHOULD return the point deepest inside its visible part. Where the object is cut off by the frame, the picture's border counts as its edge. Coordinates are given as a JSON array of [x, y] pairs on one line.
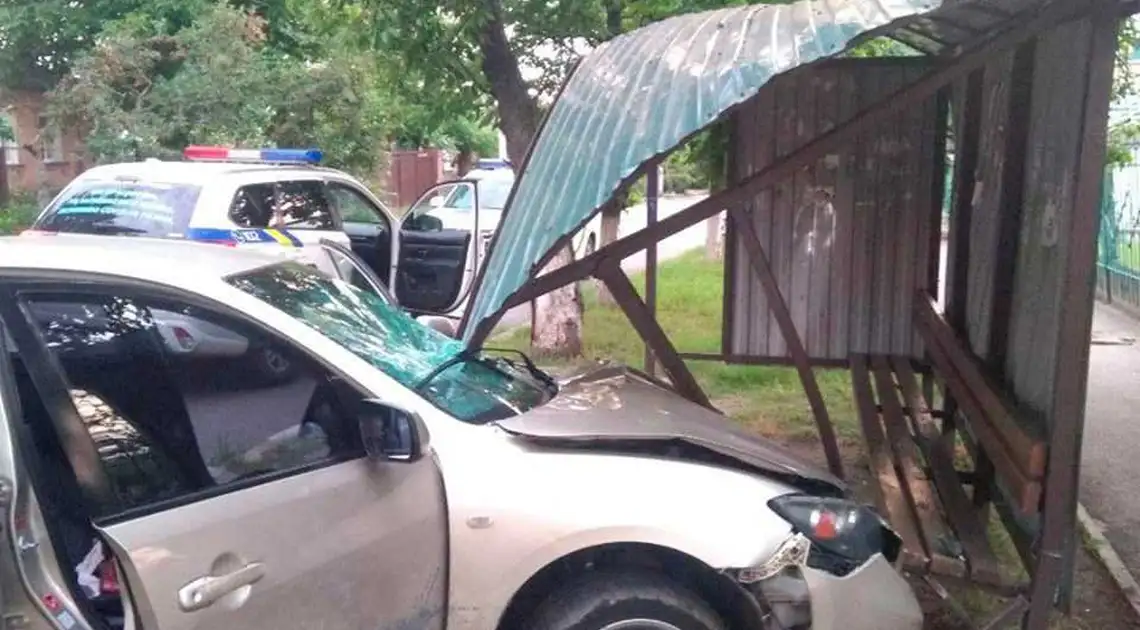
[[206, 590]]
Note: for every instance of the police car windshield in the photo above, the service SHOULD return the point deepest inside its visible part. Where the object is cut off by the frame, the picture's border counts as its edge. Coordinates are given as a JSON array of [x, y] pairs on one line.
[[384, 335], [122, 208]]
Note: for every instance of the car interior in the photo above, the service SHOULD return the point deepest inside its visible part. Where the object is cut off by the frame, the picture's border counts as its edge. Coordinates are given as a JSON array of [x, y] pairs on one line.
[[126, 394], [433, 260]]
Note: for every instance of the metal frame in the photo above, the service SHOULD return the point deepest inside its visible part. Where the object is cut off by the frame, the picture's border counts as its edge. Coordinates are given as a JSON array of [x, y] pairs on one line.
[[951, 69]]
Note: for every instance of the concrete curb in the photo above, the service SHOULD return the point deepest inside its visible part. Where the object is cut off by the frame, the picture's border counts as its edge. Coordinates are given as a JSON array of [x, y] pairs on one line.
[[1107, 555]]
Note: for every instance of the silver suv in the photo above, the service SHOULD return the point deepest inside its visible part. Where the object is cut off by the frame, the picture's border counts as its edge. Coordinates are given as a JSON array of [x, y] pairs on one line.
[[393, 481]]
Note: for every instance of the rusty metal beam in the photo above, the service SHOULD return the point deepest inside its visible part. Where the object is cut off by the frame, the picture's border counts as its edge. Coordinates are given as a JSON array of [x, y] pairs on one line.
[[1070, 372], [779, 308], [1050, 16], [625, 294]]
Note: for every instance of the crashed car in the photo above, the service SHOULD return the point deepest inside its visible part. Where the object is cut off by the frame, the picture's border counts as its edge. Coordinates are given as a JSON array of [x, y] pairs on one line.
[[399, 481]]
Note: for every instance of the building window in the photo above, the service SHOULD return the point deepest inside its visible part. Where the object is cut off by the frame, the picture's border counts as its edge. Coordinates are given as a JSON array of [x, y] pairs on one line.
[[51, 142], [11, 144]]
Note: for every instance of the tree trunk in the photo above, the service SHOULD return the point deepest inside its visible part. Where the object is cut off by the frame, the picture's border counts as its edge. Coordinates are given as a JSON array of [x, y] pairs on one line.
[[518, 112], [557, 325], [714, 237], [464, 160], [556, 318], [5, 192]]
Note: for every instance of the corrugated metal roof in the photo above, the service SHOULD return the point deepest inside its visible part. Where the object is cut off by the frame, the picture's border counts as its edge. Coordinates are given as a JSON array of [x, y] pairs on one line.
[[643, 93]]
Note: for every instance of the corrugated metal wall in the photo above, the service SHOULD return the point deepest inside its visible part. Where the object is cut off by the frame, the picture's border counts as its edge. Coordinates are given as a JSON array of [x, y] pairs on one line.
[[849, 238]]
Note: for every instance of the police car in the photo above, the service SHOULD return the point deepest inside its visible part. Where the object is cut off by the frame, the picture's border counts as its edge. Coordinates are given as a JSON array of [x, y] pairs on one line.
[[282, 199]]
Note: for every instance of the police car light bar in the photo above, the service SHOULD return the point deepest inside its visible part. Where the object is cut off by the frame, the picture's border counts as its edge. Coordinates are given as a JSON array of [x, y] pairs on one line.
[[278, 156]]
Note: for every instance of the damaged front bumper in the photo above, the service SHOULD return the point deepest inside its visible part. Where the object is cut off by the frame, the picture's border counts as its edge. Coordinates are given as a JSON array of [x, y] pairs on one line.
[[792, 593]]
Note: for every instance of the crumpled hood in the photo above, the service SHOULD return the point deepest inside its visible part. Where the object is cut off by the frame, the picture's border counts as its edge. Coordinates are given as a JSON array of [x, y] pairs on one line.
[[613, 405]]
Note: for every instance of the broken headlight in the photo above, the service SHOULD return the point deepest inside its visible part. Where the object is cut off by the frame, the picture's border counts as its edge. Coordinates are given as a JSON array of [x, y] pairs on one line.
[[844, 535]]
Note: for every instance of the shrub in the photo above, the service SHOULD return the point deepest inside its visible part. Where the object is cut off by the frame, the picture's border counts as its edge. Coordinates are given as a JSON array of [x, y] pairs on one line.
[[21, 210]]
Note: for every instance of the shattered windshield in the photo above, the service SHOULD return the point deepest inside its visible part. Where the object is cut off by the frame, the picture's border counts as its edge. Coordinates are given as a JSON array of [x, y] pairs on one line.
[[473, 389]]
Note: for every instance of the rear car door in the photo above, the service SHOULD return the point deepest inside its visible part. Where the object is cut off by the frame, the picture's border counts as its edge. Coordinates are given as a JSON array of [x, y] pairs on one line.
[[436, 262], [229, 501]]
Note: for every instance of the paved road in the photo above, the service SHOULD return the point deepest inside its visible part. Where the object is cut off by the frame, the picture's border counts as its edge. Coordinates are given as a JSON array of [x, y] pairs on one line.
[[1110, 465], [635, 219]]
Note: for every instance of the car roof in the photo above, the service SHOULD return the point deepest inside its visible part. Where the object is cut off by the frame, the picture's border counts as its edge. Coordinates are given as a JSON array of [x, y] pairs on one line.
[[164, 261], [191, 172], [490, 173]]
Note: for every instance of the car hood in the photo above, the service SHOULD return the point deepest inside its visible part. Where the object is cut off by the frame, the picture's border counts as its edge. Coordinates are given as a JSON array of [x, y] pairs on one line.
[[617, 408]]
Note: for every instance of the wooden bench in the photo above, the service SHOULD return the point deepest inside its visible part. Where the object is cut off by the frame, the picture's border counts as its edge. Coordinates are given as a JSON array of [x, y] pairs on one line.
[[921, 492]]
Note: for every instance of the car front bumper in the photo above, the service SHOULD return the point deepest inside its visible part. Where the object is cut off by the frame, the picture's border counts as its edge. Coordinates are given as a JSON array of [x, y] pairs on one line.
[[873, 597]]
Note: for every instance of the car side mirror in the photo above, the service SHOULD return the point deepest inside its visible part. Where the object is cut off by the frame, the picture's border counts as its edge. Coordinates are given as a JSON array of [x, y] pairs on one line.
[[436, 201], [425, 223], [389, 433]]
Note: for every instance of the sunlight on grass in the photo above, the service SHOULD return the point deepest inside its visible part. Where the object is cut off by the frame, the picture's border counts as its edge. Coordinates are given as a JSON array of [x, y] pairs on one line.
[[689, 306]]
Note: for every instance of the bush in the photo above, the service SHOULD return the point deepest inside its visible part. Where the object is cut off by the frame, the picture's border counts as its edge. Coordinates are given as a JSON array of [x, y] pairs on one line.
[[19, 213]]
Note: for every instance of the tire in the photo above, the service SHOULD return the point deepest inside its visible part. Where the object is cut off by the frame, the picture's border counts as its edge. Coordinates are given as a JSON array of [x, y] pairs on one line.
[[625, 601], [269, 366]]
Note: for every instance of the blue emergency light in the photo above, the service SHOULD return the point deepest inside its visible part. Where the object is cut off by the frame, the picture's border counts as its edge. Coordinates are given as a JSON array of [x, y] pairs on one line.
[[276, 156]]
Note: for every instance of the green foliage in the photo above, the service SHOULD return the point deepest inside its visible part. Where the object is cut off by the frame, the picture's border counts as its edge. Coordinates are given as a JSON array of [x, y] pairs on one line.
[[145, 91], [1121, 139], [6, 131], [20, 212]]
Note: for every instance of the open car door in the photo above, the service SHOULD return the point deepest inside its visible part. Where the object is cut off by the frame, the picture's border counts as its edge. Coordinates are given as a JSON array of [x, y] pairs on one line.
[[343, 263], [437, 261]]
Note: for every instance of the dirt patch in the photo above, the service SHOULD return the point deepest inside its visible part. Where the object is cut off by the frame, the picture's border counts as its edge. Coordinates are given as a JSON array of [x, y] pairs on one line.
[[1097, 601]]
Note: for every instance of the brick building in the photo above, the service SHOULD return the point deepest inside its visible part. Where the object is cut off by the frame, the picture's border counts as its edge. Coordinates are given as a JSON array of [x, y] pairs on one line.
[[41, 158]]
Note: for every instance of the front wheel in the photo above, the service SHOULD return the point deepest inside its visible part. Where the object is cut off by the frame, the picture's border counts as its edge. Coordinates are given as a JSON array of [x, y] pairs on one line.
[[270, 366], [625, 601]]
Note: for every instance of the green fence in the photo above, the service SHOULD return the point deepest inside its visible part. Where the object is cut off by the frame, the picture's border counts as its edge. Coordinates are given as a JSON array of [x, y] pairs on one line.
[[1118, 246]]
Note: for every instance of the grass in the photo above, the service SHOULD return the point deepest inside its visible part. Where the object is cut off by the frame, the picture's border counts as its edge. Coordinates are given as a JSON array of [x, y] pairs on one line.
[[689, 307]]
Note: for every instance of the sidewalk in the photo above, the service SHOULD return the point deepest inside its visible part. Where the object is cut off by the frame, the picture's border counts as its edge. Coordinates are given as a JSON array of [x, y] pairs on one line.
[[1110, 460]]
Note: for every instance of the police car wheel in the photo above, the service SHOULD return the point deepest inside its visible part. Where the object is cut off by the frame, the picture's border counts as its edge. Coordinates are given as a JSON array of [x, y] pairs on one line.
[[270, 365]]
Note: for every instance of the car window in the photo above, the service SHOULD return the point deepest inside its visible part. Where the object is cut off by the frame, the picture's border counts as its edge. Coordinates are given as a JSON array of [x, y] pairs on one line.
[[388, 338], [182, 403], [252, 206], [122, 208], [354, 207], [302, 205], [296, 205], [493, 193]]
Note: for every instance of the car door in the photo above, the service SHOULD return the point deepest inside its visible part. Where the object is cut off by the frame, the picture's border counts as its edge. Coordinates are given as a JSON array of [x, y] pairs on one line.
[[368, 226], [437, 261], [343, 263], [229, 503]]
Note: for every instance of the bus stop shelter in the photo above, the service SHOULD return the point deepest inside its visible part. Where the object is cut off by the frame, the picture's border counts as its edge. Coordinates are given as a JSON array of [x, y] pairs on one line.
[[838, 168]]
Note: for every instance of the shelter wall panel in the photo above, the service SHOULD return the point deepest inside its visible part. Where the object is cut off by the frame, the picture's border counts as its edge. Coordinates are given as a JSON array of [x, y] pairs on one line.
[[848, 235], [1056, 128], [985, 220]]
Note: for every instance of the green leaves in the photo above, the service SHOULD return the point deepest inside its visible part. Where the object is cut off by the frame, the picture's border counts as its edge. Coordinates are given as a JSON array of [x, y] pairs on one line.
[[145, 91]]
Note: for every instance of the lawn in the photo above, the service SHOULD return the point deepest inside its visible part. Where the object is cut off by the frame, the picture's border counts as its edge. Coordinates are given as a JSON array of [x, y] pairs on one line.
[[690, 289]]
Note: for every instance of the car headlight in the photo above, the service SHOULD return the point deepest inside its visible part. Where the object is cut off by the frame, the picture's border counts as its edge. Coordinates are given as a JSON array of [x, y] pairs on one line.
[[844, 535]]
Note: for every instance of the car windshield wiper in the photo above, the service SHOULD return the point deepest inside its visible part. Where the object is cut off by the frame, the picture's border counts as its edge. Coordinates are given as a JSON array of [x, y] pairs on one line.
[[469, 354], [460, 357], [533, 369]]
